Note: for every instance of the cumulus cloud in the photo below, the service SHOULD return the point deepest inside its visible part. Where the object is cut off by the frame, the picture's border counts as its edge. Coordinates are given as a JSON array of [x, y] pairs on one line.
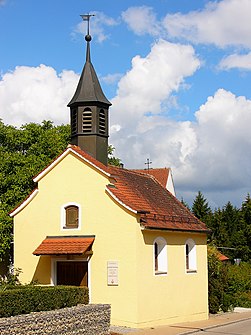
[[34, 94], [111, 78], [209, 154], [99, 22], [142, 20], [223, 23], [151, 80], [242, 62]]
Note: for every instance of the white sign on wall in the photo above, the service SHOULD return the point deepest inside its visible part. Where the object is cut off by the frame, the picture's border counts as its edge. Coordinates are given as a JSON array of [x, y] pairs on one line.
[[112, 273]]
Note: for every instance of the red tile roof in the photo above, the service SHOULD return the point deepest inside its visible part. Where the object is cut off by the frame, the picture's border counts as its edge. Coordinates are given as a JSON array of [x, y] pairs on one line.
[[222, 257], [89, 158], [64, 245], [160, 174], [158, 208]]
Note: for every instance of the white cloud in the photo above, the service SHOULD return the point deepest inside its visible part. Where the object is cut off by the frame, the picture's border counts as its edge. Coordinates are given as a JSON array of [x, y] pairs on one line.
[[209, 154], [141, 20], [111, 78], [223, 23], [97, 28], [151, 80], [34, 94], [242, 62]]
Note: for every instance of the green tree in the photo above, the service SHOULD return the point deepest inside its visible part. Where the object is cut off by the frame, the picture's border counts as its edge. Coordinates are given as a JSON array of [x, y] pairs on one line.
[[184, 203], [219, 296], [200, 208], [24, 152], [244, 229], [112, 160]]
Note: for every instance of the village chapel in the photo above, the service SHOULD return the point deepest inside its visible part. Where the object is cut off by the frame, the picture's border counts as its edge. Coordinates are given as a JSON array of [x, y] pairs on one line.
[[121, 232]]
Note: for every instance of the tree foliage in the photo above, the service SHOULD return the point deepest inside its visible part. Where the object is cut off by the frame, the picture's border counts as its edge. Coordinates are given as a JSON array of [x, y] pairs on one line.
[[24, 152]]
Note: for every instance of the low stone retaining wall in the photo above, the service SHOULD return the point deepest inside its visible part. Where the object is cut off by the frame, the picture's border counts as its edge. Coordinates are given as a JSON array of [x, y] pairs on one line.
[[81, 319]]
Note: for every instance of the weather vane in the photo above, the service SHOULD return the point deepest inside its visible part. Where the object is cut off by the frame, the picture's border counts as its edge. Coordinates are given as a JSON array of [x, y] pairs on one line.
[[86, 17]]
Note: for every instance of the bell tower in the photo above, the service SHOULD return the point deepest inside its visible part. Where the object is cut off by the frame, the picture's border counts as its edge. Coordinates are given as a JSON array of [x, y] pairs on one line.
[[89, 110]]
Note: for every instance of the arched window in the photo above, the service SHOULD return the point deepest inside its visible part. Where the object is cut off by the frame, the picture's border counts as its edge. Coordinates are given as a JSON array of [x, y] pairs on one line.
[[70, 216], [190, 252], [160, 256]]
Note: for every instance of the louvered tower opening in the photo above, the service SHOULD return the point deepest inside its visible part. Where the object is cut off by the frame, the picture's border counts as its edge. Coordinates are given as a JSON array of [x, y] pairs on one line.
[[74, 122], [87, 121], [102, 122]]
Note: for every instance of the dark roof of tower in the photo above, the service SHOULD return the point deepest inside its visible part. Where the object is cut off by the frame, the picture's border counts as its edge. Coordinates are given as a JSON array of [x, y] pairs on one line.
[[88, 89]]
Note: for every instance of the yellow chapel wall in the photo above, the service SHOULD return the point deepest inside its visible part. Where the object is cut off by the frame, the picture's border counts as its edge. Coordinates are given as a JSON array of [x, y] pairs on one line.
[[114, 229], [177, 296]]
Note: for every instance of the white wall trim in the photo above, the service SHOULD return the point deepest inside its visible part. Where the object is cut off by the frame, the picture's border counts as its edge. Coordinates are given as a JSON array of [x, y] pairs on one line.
[[24, 203], [119, 201], [62, 156]]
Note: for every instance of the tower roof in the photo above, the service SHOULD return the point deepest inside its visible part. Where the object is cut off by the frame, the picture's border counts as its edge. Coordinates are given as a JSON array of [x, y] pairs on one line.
[[88, 89]]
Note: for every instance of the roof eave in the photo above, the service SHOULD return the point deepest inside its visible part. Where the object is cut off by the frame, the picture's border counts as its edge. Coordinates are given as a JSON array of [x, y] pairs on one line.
[[199, 231]]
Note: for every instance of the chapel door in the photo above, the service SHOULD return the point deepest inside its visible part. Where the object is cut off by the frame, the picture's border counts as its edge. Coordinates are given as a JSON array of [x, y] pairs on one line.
[[72, 273]]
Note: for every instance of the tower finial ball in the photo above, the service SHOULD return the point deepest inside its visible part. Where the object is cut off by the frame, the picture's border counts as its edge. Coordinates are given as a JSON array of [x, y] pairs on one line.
[[88, 38]]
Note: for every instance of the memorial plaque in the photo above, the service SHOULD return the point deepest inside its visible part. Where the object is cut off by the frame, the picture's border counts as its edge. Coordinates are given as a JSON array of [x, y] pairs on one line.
[[112, 273]]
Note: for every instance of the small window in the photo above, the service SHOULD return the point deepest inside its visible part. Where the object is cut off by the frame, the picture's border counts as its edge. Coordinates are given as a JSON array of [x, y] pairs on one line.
[[71, 217], [160, 256], [190, 252]]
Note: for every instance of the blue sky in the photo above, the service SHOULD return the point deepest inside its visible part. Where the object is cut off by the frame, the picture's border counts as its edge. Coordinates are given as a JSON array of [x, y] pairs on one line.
[[177, 73]]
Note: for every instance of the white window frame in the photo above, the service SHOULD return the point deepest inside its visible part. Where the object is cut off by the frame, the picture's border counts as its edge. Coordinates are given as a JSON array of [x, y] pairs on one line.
[[161, 257], [63, 216], [192, 256]]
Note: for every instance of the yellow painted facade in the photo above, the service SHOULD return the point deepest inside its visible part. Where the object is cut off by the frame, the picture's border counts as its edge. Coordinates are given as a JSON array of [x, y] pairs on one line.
[[141, 298]]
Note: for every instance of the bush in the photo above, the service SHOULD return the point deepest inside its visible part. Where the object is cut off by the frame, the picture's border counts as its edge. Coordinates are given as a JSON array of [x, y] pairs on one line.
[[26, 299], [219, 297], [244, 299]]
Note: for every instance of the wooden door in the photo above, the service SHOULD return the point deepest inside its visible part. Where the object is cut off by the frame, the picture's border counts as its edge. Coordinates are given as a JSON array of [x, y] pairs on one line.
[[72, 273]]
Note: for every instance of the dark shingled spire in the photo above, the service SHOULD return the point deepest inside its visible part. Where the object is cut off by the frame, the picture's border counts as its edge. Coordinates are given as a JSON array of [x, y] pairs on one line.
[[89, 110], [88, 89]]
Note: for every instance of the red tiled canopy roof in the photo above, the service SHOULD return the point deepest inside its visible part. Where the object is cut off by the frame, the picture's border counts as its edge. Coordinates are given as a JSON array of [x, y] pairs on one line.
[[157, 207], [64, 245]]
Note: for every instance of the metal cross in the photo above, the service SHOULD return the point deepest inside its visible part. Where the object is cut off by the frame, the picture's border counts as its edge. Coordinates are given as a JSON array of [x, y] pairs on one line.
[[148, 162], [86, 17]]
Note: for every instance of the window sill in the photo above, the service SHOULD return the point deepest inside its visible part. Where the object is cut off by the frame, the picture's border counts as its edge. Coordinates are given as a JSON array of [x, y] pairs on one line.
[[191, 271], [75, 228], [159, 273]]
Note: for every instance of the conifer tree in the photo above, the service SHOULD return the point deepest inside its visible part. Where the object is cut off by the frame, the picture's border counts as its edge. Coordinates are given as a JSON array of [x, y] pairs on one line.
[[200, 208]]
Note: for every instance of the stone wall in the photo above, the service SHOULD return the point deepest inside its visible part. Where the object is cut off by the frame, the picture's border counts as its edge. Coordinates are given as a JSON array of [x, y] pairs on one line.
[[81, 319]]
